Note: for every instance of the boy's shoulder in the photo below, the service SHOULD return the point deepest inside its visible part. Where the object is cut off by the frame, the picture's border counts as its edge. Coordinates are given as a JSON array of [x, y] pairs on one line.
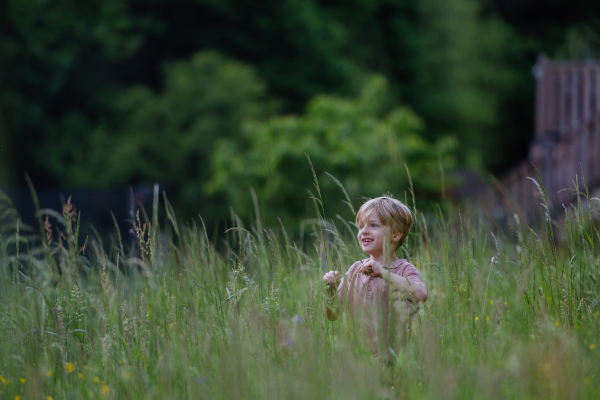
[[356, 265], [398, 266], [401, 265]]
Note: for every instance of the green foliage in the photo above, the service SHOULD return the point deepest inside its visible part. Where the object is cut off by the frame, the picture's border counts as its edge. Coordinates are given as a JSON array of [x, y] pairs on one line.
[[79, 85], [5, 160], [472, 77], [53, 57], [581, 42], [363, 142], [168, 137]]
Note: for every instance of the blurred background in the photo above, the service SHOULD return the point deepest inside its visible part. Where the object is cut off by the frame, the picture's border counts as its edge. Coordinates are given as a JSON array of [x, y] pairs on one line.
[[102, 99]]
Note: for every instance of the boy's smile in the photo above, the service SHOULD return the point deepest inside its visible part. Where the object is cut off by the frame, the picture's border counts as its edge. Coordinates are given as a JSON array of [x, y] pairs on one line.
[[372, 235]]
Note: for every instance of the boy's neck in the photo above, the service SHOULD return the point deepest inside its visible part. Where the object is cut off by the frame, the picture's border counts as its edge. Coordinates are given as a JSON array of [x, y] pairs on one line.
[[385, 261]]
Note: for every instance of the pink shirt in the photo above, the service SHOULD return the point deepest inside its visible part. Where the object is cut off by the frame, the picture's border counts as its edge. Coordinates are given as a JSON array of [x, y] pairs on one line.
[[368, 300]]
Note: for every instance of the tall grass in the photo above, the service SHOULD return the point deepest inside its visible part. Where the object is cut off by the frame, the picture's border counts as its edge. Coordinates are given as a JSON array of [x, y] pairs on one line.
[[510, 314]]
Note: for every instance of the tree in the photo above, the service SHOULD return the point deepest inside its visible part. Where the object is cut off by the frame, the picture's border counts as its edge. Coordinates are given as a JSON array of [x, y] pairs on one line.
[[58, 75], [363, 142], [168, 137]]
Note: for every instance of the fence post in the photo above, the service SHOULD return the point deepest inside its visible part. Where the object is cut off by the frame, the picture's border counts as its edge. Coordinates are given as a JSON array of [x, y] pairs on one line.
[[542, 89], [596, 147], [587, 94], [574, 100], [549, 144]]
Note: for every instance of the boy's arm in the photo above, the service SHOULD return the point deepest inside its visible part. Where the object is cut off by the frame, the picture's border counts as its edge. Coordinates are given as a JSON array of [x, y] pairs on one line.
[[331, 305], [330, 298], [416, 292], [413, 290]]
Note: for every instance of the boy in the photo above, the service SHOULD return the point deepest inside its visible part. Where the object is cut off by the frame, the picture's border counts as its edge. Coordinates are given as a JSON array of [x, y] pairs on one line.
[[364, 291]]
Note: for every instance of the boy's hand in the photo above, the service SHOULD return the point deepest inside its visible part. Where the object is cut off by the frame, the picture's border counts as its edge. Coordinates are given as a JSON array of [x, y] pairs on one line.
[[332, 279], [371, 268]]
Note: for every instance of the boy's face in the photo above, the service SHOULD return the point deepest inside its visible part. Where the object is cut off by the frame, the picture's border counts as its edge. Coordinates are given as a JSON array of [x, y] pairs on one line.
[[372, 235]]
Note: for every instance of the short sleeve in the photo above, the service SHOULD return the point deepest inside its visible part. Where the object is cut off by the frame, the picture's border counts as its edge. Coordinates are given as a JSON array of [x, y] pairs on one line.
[[346, 279], [412, 275]]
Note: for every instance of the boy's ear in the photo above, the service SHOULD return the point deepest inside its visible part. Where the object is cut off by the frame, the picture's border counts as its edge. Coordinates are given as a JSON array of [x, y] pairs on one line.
[[397, 236]]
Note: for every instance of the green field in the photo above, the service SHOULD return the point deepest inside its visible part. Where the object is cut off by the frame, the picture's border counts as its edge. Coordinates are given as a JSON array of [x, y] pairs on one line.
[[509, 315]]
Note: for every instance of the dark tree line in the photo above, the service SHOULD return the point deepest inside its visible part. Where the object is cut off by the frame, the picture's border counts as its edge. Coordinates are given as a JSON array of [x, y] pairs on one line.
[[115, 92]]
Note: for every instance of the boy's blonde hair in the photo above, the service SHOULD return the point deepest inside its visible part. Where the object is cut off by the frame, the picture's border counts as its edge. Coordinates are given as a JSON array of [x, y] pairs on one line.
[[392, 213]]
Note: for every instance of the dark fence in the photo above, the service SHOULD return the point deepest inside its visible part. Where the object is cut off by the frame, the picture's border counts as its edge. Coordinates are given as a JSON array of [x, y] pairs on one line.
[[95, 206], [566, 143]]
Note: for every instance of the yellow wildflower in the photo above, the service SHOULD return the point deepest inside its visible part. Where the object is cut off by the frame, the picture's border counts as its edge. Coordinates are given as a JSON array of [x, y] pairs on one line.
[[476, 318], [80, 376], [492, 302], [17, 397], [104, 389], [545, 366], [557, 323], [49, 398], [592, 346], [22, 380], [505, 303], [96, 379], [70, 367], [50, 373], [420, 384]]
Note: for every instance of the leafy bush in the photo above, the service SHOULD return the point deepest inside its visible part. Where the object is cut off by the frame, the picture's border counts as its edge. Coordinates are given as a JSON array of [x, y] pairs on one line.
[[168, 137], [362, 142]]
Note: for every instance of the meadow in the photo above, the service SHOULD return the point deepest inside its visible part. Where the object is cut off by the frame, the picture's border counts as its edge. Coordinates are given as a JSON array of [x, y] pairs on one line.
[[513, 313]]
